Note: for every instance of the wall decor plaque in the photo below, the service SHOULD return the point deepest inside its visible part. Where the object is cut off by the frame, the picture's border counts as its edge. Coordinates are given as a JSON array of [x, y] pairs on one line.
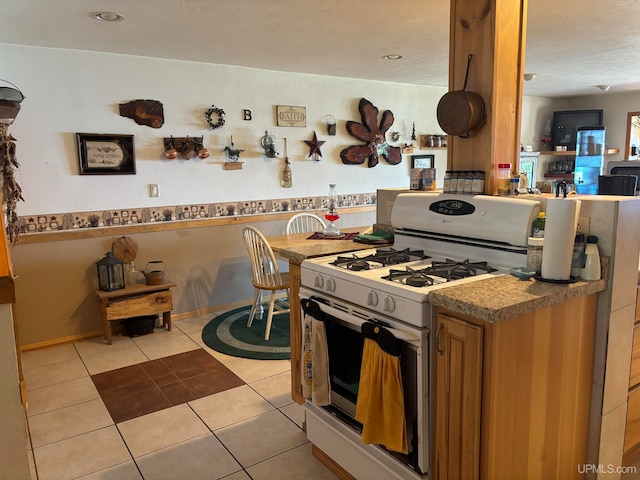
[[289, 116], [144, 112], [100, 154]]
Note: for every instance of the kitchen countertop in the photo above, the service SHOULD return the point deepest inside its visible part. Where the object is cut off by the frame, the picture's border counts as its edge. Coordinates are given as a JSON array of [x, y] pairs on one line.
[[477, 299], [505, 296], [297, 247]]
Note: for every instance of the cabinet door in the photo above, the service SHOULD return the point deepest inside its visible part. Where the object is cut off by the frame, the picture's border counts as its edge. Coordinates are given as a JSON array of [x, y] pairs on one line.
[[457, 399], [632, 431]]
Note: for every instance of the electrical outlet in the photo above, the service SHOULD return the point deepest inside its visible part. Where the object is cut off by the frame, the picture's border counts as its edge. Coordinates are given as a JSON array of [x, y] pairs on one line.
[[583, 225], [153, 190]]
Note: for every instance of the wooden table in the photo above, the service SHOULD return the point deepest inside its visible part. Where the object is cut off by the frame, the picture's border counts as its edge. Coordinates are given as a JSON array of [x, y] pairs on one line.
[[134, 301], [296, 248]]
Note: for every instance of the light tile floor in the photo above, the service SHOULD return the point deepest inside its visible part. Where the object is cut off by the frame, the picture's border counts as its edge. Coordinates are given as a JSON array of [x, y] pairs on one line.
[[249, 432]]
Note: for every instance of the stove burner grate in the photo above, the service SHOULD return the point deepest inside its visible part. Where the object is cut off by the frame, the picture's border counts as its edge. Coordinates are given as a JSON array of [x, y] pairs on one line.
[[447, 271], [411, 277], [381, 258], [453, 270]]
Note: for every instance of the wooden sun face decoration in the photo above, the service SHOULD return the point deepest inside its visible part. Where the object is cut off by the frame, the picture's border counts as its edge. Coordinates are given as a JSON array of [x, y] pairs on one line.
[[374, 135]]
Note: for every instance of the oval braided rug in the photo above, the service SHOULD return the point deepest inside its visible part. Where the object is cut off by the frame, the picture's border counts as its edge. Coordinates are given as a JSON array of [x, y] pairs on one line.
[[228, 333]]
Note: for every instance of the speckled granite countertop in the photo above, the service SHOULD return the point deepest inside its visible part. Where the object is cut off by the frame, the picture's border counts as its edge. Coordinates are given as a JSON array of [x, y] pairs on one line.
[[505, 296], [297, 247]]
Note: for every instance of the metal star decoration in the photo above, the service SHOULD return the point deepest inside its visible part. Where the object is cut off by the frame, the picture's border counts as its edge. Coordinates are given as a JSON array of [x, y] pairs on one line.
[[314, 146]]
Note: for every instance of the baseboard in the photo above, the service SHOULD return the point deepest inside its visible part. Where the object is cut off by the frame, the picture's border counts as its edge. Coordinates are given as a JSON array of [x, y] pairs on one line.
[[60, 341], [174, 317]]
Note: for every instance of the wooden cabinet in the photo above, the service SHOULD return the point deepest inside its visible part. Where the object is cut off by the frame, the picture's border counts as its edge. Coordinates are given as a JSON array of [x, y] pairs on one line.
[[632, 431], [512, 398], [458, 360]]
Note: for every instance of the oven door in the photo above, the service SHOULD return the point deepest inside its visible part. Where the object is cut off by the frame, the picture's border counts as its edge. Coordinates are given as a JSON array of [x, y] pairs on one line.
[[345, 342]]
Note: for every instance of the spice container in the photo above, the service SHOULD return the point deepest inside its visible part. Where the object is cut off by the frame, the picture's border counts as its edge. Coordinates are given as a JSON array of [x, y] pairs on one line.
[[504, 178], [453, 184], [446, 186], [477, 186], [513, 185], [534, 253]]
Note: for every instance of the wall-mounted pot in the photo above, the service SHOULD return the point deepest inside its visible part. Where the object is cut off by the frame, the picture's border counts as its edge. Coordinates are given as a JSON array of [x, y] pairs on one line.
[[154, 273], [461, 112]]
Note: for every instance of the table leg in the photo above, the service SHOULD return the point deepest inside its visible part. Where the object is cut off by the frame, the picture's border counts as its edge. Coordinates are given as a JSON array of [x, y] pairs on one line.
[[166, 320], [107, 324]]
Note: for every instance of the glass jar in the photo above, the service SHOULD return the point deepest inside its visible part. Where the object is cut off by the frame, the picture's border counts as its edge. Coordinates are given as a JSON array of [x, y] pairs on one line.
[[453, 183], [446, 186], [504, 178], [477, 186]]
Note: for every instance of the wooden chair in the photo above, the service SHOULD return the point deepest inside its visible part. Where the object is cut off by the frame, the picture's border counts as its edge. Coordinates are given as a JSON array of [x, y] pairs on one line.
[[305, 222], [266, 275]]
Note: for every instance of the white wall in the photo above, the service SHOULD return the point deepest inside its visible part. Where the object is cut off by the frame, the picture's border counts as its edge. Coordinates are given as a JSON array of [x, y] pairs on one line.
[[615, 106], [70, 91]]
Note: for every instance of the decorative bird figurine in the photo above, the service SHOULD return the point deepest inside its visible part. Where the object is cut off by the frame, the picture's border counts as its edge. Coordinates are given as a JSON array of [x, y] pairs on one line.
[[233, 153]]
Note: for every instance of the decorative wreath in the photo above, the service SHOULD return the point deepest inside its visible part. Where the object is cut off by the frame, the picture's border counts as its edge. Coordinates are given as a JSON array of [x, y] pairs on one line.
[[214, 117]]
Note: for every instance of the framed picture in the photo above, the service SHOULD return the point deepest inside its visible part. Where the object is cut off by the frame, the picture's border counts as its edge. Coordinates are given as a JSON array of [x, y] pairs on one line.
[[422, 161], [105, 154]]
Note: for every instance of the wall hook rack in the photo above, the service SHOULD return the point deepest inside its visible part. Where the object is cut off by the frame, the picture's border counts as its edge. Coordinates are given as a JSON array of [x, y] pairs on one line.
[[187, 146]]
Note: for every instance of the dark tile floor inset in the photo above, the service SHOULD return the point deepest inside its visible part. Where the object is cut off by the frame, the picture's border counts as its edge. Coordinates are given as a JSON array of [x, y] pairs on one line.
[[131, 392]]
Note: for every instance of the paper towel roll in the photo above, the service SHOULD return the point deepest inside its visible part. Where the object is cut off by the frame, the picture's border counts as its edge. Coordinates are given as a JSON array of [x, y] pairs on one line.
[[559, 235]]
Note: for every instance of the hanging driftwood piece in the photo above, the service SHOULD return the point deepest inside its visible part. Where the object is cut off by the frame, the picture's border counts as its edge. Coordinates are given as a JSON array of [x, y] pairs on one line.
[[375, 137], [144, 112]]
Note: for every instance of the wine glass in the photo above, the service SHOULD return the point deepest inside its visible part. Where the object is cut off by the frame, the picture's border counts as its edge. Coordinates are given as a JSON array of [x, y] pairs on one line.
[[332, 214]]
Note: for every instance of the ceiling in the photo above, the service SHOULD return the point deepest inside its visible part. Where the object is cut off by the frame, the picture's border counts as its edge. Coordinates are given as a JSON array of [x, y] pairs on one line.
[[572, 45]]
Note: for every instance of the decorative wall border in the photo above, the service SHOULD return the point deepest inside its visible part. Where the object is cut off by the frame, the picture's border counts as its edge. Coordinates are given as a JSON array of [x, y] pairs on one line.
[[46, 223]]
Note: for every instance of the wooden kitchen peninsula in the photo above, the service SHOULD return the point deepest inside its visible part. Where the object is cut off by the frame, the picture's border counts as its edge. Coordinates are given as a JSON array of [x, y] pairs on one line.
[[296, 248], [513, 367]]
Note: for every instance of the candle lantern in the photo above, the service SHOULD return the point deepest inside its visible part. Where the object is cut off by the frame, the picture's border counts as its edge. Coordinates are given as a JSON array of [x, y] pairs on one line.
[[331, 124], [110, 273]]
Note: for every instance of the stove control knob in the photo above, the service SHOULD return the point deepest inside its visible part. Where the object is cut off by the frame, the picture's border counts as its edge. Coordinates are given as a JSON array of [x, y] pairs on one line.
[[389, 304], [372, 298], [331, 285], [319, 281]]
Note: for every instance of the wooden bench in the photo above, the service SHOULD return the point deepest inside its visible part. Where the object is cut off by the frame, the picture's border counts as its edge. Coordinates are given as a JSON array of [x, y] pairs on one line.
[[134, 301]]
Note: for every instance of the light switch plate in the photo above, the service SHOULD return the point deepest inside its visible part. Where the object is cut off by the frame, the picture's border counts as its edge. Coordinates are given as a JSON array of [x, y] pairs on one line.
[[153, 190]]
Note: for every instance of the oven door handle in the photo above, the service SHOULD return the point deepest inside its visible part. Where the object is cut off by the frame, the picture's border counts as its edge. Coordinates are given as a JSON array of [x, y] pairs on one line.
[[339, 314]]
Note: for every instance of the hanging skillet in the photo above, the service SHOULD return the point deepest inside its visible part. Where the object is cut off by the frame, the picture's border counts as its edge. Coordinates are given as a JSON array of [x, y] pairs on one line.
[[460, 112]]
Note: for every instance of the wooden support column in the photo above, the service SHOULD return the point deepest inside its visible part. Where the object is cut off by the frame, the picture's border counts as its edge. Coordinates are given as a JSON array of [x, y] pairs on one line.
[[494, 32]]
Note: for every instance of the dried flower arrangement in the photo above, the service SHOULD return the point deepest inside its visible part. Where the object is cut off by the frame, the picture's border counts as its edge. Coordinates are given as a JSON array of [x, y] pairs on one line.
[[11, 191]]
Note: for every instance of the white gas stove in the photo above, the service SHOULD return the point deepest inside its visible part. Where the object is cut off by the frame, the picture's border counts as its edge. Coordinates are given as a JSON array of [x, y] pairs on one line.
[[440, 241]]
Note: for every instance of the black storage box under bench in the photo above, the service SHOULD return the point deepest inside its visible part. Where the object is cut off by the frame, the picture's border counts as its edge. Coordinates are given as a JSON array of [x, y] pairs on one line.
[[137, 326]]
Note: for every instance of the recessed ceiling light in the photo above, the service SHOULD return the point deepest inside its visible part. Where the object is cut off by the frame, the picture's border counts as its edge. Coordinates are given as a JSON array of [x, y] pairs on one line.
[[604, 88], [108, 16], [393, 57]]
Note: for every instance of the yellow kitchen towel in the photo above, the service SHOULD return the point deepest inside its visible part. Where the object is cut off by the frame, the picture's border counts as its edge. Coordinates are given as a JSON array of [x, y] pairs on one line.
[[380, 406], [315, 355]]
